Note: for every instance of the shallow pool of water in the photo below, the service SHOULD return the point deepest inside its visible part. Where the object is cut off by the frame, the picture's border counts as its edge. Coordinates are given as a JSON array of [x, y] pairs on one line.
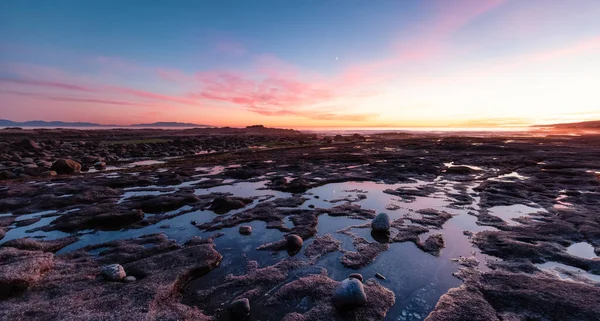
[[582, 249], [417, 278], [559, 270], [510, 212]]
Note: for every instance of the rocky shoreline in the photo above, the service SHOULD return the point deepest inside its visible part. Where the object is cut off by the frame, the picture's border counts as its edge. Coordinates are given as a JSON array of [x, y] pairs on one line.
[[225, 224]]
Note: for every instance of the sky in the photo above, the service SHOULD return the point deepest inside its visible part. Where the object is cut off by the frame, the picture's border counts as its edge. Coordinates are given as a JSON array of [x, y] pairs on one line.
[[309, 63]]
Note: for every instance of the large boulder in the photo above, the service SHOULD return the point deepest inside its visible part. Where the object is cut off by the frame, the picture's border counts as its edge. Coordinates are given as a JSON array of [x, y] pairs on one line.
[[349, 293], [381, 223], [66, 166]]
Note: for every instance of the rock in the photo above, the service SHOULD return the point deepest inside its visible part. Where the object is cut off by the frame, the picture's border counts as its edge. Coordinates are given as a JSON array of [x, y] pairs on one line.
[[47, 174], [100, 165], [32, 169], [294, 241], [29, 144], [21, 269], [245, 230], [66, 166], [433, 244], [27, 160], [298, 185], [467, 261], [381, 223], [380, 276], [7, 175], [113, 272], [223, 204], [31, 244], [460, 170], [129, 279], [357, 276], [239, 309], [349, 293]]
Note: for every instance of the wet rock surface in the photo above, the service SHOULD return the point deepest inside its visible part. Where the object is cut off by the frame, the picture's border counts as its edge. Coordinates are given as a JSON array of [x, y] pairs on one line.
[[503, 209], [349, 294], [72, 280]]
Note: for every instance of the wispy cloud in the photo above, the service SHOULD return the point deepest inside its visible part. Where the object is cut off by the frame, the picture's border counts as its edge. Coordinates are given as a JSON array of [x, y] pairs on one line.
[[44, 83], [74, 99]]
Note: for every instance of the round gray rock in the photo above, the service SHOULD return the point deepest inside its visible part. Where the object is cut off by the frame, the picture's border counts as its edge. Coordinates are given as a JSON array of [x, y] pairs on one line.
[[294, 241], [349, 293], [381, 223], [100, 165], [239, 309], [245, 230], [113, 272], [129, 279]]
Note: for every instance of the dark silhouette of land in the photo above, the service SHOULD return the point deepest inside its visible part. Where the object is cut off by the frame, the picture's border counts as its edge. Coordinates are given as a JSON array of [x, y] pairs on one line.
[[43, 123]]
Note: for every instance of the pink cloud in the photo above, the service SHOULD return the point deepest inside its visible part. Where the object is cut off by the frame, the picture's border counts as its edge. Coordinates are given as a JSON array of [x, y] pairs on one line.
[[312, 114], [151, 95], [260, 94]]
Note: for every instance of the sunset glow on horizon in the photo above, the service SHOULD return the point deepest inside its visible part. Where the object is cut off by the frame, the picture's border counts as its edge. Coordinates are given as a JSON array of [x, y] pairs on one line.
[[467, 63]]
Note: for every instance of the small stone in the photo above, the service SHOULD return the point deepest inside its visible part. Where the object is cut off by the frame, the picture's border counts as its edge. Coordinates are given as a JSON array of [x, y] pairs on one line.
[[357, 276], [193, 222], [113, 272], [47, 174], [29, 144], [294, 241], [245, 230], [349, 293], [100, 165], [381, 223], [7, 175], [239, 309], [380, 276], [129, 279]]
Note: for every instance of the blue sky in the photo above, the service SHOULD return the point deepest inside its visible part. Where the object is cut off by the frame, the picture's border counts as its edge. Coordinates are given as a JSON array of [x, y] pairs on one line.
[[301, 63]]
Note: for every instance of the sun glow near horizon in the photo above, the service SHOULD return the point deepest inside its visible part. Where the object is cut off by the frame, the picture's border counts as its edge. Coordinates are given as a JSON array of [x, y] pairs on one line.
[[493, 63]]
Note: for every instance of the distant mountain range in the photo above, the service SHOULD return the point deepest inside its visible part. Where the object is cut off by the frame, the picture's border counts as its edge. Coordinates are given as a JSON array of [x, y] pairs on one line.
[[594, 124], [42, 123], [169, 124]]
